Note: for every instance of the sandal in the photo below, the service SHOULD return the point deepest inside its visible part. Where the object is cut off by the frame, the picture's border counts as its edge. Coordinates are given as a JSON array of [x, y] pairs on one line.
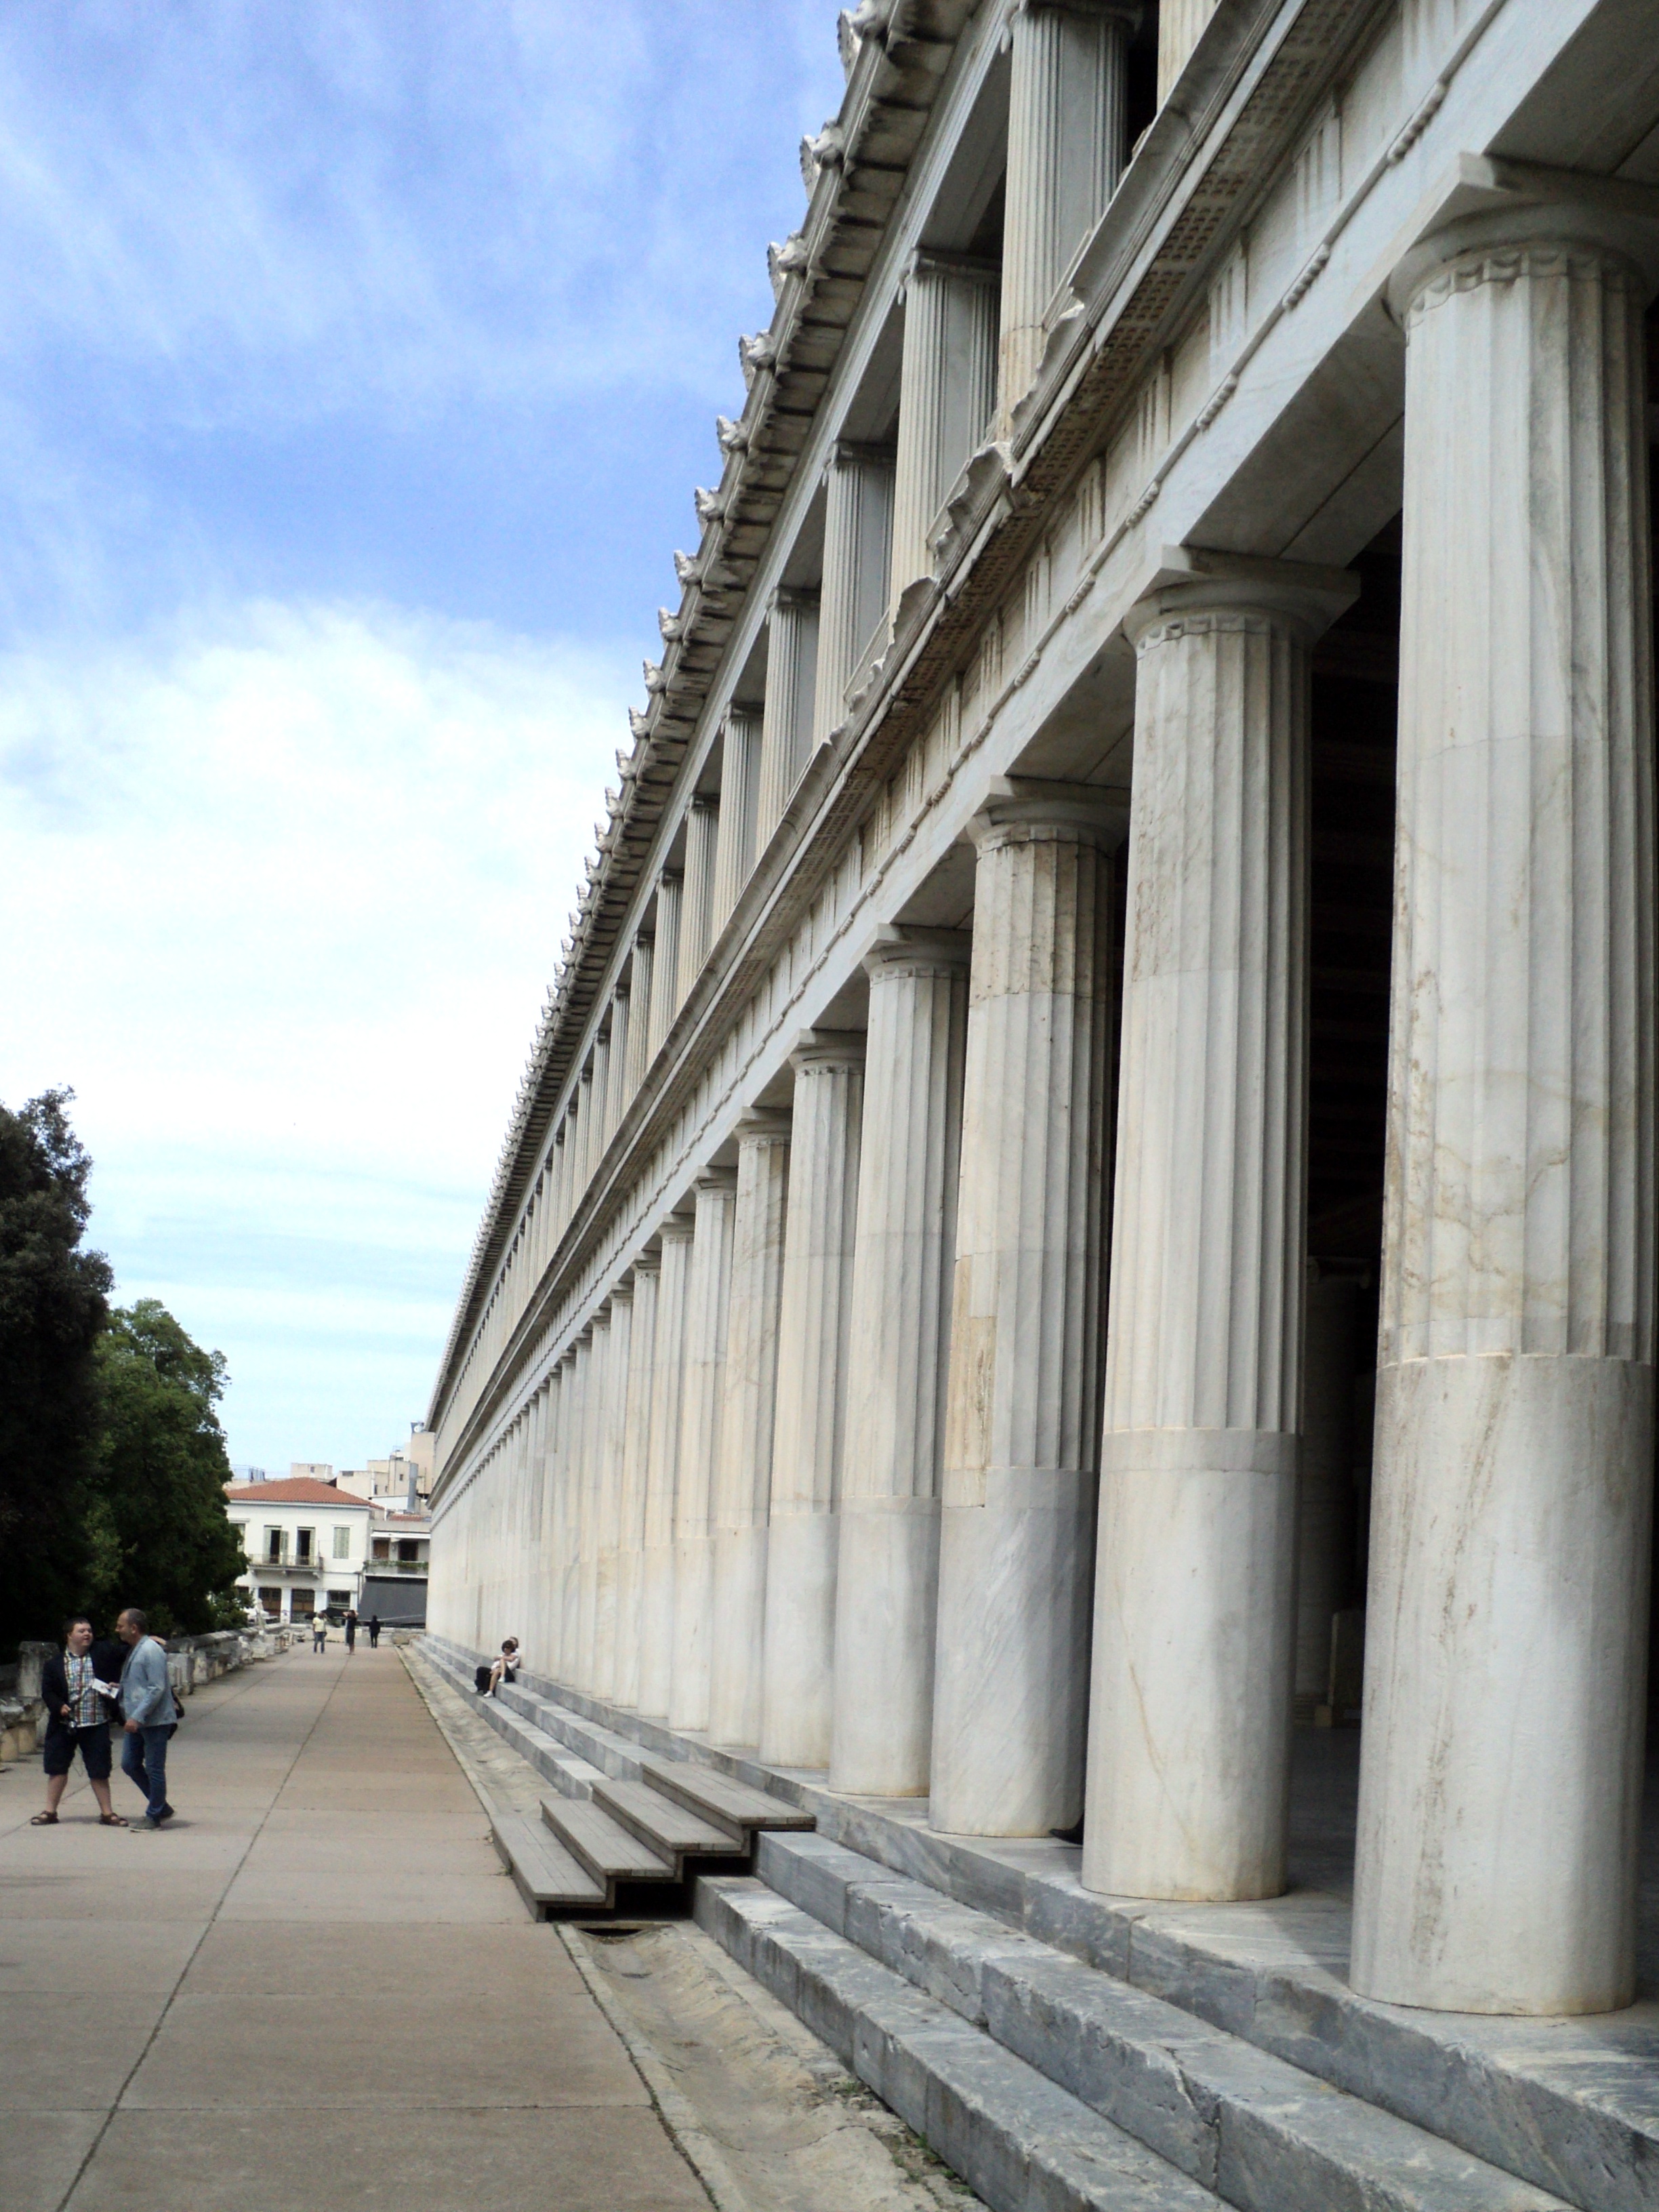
[[44, 1820], [111, 1821]]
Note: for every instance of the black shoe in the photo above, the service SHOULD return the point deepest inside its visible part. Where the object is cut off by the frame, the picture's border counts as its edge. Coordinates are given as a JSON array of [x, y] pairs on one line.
[[166, 1813]]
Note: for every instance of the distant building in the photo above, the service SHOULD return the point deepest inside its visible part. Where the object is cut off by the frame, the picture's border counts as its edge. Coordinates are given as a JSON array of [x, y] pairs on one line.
[[395, 1576], [310, 1470], [306, 1543]]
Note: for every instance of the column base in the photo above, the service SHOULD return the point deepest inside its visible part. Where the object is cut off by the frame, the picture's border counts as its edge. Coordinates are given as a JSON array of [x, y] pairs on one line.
[[798, 1667], [885, 1612], [1190, 1715], [1501, 1766], [1013, 1643], [734, 1661], [693, 1593]]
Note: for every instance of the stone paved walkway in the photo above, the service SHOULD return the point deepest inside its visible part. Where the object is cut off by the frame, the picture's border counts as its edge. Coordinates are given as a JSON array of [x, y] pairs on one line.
[[314, 1986]]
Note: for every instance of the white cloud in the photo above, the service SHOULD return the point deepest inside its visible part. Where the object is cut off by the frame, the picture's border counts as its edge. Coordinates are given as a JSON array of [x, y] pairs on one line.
[[287, 884], [507, 200]]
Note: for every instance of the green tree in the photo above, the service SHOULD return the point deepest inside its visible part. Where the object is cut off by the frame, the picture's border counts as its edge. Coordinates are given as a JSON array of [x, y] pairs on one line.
[[159, 1517], [53, 1306]]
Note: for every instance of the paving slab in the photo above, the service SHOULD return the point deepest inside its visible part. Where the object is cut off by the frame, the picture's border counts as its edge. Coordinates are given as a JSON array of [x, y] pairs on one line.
[[324, 1930]]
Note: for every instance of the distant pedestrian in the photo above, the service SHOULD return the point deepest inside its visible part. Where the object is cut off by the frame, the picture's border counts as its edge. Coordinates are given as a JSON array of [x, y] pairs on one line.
[[374, 1631], [77, 1685], [318, 1630], [151, 1713], [351, 1630], [505, 1669]]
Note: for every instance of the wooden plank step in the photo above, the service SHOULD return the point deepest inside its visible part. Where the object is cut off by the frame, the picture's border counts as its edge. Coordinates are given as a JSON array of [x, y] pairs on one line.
[[543, 1872], [603, 1845], [665, 1826], [729, 1804]]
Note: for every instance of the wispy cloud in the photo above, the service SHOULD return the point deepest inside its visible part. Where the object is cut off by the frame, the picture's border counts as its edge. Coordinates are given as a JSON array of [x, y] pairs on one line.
[[287, 886]]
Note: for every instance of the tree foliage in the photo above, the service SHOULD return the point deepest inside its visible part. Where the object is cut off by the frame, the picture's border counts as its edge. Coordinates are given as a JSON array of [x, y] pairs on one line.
[[162, 1471], [53, 1307], [113, 1461]]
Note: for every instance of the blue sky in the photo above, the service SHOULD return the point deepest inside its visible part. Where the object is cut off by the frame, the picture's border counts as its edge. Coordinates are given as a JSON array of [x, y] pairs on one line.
[[356, 365]]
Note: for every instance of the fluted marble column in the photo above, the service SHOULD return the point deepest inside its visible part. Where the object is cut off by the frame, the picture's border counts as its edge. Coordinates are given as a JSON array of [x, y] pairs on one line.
[[594, 1423], [561, 1518], [791, 663], [662, 1467], [708, 1309], [617, 1092], [1190, 1713], [608, 1515], [703, 825], [1325, 1494], [734, 854], [1502, 1758], [947, 395], [797, 1666], [857, 543], [1180, 24], [634, 1466], [887, 1570], [598, 1102], [1022, 1431], [585, 1113], [665, 963], [640, 1050], [1066, 148], [743, 1470], [570, 1626]]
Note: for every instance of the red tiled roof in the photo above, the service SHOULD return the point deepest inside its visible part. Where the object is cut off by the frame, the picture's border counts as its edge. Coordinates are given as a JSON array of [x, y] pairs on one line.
[[293, 1490]]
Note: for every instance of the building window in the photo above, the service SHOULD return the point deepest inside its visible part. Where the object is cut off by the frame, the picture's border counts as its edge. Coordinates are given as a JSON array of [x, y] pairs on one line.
[[408, 1550], [302, 1552], [239, 1529], [271, 1601], [273, 1546], [339, 1601], [343, 1543], [383, 1547]]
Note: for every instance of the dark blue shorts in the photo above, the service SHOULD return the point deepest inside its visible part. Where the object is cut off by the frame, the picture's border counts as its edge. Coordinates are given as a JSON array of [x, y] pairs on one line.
[[93, 1744]]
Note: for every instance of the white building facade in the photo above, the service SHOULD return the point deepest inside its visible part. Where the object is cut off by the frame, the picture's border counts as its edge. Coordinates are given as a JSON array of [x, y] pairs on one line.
[[307, 1544], [1097, 1114]]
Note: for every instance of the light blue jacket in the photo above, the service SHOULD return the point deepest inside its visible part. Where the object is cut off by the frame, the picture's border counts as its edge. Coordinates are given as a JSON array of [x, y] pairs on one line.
[[146, 1697]]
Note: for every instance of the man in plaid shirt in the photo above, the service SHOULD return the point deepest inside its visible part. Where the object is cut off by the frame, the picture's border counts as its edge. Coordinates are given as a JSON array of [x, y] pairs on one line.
[[77, 1719]]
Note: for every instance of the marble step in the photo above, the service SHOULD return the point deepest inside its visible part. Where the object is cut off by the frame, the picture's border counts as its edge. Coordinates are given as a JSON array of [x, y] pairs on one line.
[[1020, 2142], [665, 1825], [609, 1852], [514, 1716], [732, 1806], [545, 1875], [1263, 2134]]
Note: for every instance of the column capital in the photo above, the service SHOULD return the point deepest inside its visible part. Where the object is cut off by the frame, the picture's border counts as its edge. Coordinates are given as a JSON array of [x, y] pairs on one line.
[[856, 452], [715, 1179], [763, 1125], [1017, 805], [703, 802], [648, 1262], [1127, 12], [622, 1291], [929, 261], [899, 950], [1492, 210], [677, 1228], [827, 1048], [1199, 589]]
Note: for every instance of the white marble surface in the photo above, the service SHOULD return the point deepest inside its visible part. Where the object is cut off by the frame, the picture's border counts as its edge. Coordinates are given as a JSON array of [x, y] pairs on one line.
[[814, 1324], [708, 1307], [1066, 146], [742, 1490], [1017, 1535], [662, 1467], [791, 663], [1506, 1649], [635, 1449], [947, 395], [1195, 1619], [858, 541], [887, 1573]]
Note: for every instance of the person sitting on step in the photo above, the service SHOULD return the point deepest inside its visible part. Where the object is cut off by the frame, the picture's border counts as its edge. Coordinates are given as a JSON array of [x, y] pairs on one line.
[[506, 1668]]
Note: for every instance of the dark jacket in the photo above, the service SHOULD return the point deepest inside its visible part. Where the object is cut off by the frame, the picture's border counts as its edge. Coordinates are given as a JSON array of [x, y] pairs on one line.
[[106, 1656]]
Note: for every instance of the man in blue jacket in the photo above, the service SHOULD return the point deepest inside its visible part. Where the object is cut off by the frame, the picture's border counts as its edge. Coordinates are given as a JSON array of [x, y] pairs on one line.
[[151, 1715]]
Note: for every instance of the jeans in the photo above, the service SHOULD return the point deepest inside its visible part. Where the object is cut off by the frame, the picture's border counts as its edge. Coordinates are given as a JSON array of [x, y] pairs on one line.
[[144, 1761]]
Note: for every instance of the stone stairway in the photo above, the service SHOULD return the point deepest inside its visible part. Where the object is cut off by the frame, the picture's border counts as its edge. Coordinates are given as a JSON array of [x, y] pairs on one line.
[[1040, 2078]]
